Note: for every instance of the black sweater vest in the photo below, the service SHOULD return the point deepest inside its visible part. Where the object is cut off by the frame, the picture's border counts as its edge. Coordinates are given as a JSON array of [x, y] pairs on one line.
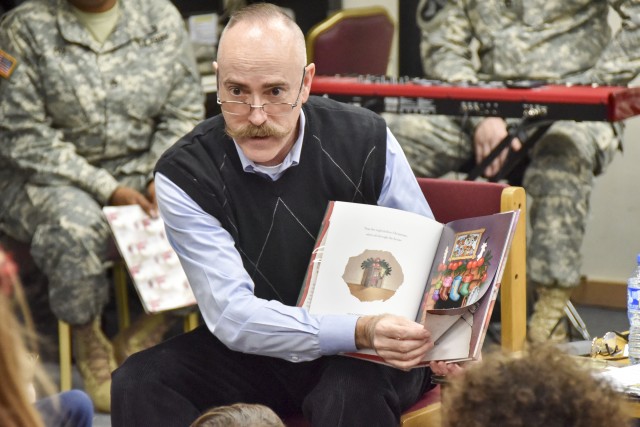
[[275, 223]]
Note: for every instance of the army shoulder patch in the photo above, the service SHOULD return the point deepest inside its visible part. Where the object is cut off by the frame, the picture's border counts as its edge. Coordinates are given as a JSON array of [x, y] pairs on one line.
[[7, 64]]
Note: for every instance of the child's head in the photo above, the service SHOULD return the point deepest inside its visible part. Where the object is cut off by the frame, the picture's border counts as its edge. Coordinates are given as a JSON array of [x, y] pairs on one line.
[[239, 415], [543, 387]]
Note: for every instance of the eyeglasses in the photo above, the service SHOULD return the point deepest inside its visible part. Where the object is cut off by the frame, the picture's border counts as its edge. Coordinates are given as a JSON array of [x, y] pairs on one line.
[[240, 108], [606, 346]]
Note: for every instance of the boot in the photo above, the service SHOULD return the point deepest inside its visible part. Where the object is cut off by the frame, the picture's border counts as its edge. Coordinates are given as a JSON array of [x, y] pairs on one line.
[[95, 361], [546, 322], [146, 331]]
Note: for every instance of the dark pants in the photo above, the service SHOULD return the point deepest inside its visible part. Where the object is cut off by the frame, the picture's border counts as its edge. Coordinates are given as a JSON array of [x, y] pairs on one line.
[[173, 383]]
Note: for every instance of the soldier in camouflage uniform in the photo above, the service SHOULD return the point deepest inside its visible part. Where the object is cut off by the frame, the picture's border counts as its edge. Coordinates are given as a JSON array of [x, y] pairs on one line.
[[557, 41], [92, 92]]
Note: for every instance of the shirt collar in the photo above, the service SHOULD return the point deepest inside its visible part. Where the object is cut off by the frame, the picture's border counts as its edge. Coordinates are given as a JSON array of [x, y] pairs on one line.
[[275, 172]]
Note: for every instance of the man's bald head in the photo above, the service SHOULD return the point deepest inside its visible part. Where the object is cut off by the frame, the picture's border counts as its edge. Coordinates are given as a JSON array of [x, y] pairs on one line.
[[259, 24]]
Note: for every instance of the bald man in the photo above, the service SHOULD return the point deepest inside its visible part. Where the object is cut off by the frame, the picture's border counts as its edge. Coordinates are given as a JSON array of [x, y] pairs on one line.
[[243, 196]]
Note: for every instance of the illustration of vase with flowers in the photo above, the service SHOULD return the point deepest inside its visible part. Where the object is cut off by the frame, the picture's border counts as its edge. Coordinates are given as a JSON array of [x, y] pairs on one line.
[[374, 272]]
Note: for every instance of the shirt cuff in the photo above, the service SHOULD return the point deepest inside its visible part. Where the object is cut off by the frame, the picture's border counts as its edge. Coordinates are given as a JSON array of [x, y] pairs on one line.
[[337, 334], [103, 186]]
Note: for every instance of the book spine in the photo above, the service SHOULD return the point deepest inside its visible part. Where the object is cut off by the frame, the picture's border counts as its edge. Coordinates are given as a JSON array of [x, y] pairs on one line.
[[306, 293]]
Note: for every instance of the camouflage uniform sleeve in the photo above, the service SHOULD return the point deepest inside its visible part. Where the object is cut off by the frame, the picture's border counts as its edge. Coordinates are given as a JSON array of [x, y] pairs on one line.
[[619, 63], [29, 144], [183, 108], [446, 36]]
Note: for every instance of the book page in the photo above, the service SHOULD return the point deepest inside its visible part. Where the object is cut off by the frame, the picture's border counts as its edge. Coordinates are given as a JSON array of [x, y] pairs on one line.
[[454, 344], [152, 263], [486, 304], [625, 379], [474, 255], [374, 260], [471, 252], [438, 324]]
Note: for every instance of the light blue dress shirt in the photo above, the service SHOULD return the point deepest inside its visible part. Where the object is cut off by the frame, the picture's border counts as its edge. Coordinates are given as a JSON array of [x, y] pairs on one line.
[[223, 288]]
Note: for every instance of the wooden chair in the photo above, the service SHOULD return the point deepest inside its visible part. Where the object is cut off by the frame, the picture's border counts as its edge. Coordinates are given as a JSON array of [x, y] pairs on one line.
[[120, 283], [352, 41]]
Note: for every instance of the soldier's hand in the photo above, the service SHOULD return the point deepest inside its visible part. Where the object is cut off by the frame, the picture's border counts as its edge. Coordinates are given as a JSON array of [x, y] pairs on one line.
[[488, 134], [128, 196], [151, 196], [400, 342]]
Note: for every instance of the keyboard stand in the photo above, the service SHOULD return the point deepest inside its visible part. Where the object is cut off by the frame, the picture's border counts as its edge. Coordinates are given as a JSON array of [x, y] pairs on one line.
[[576, 321]]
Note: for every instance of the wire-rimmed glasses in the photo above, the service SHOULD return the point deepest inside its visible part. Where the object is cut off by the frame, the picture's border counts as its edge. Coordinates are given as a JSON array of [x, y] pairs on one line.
[[605, 346], [241, 108]]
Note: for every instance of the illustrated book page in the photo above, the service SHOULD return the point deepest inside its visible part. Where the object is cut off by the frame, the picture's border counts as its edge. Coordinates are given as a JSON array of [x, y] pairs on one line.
[[152, 263], [466, 281], [370, 259]]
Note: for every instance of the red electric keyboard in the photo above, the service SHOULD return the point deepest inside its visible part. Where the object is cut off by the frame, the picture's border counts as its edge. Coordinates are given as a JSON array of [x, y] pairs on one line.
[[531, 100]]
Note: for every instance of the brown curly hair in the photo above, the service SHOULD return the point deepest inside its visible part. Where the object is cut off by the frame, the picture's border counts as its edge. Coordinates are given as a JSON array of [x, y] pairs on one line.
[[543, 387]]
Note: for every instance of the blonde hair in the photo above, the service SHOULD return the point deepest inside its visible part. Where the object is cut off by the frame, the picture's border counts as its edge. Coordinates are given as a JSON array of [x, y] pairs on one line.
[[18, 367], [239, 415], [15, 408]]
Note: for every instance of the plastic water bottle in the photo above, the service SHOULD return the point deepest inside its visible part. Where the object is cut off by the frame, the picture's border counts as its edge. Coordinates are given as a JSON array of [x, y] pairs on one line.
[[633, 311]]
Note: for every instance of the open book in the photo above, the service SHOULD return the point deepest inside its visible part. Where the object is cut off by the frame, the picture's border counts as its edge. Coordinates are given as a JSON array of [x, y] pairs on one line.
[[153, 265], [370, 260]]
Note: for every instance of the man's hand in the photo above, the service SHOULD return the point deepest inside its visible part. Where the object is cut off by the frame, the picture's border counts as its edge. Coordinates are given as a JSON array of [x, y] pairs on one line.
[[399, 341], [488, 134], [129, 196]]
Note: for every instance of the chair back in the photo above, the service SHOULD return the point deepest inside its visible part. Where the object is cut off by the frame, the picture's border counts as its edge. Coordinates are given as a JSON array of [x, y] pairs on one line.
[[352, 41], [455, 199]]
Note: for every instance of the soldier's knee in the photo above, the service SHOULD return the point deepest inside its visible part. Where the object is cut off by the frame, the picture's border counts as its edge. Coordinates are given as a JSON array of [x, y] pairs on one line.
[[568, 146], [67, 250], [69, 237], [561, 165]]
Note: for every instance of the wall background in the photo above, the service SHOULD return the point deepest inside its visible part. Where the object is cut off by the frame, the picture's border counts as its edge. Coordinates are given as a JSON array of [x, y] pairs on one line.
[[613, 232]]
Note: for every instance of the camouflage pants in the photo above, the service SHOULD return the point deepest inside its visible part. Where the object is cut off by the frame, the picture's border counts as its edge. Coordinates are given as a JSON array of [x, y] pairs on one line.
[[559, 179], [70, 243]]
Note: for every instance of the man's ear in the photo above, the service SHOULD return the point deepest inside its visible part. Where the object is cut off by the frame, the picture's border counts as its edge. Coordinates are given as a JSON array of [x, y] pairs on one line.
[[308, 78], [214, 64]]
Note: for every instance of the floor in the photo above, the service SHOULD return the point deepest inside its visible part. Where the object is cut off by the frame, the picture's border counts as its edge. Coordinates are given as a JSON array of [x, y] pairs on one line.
[[598, 322]]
